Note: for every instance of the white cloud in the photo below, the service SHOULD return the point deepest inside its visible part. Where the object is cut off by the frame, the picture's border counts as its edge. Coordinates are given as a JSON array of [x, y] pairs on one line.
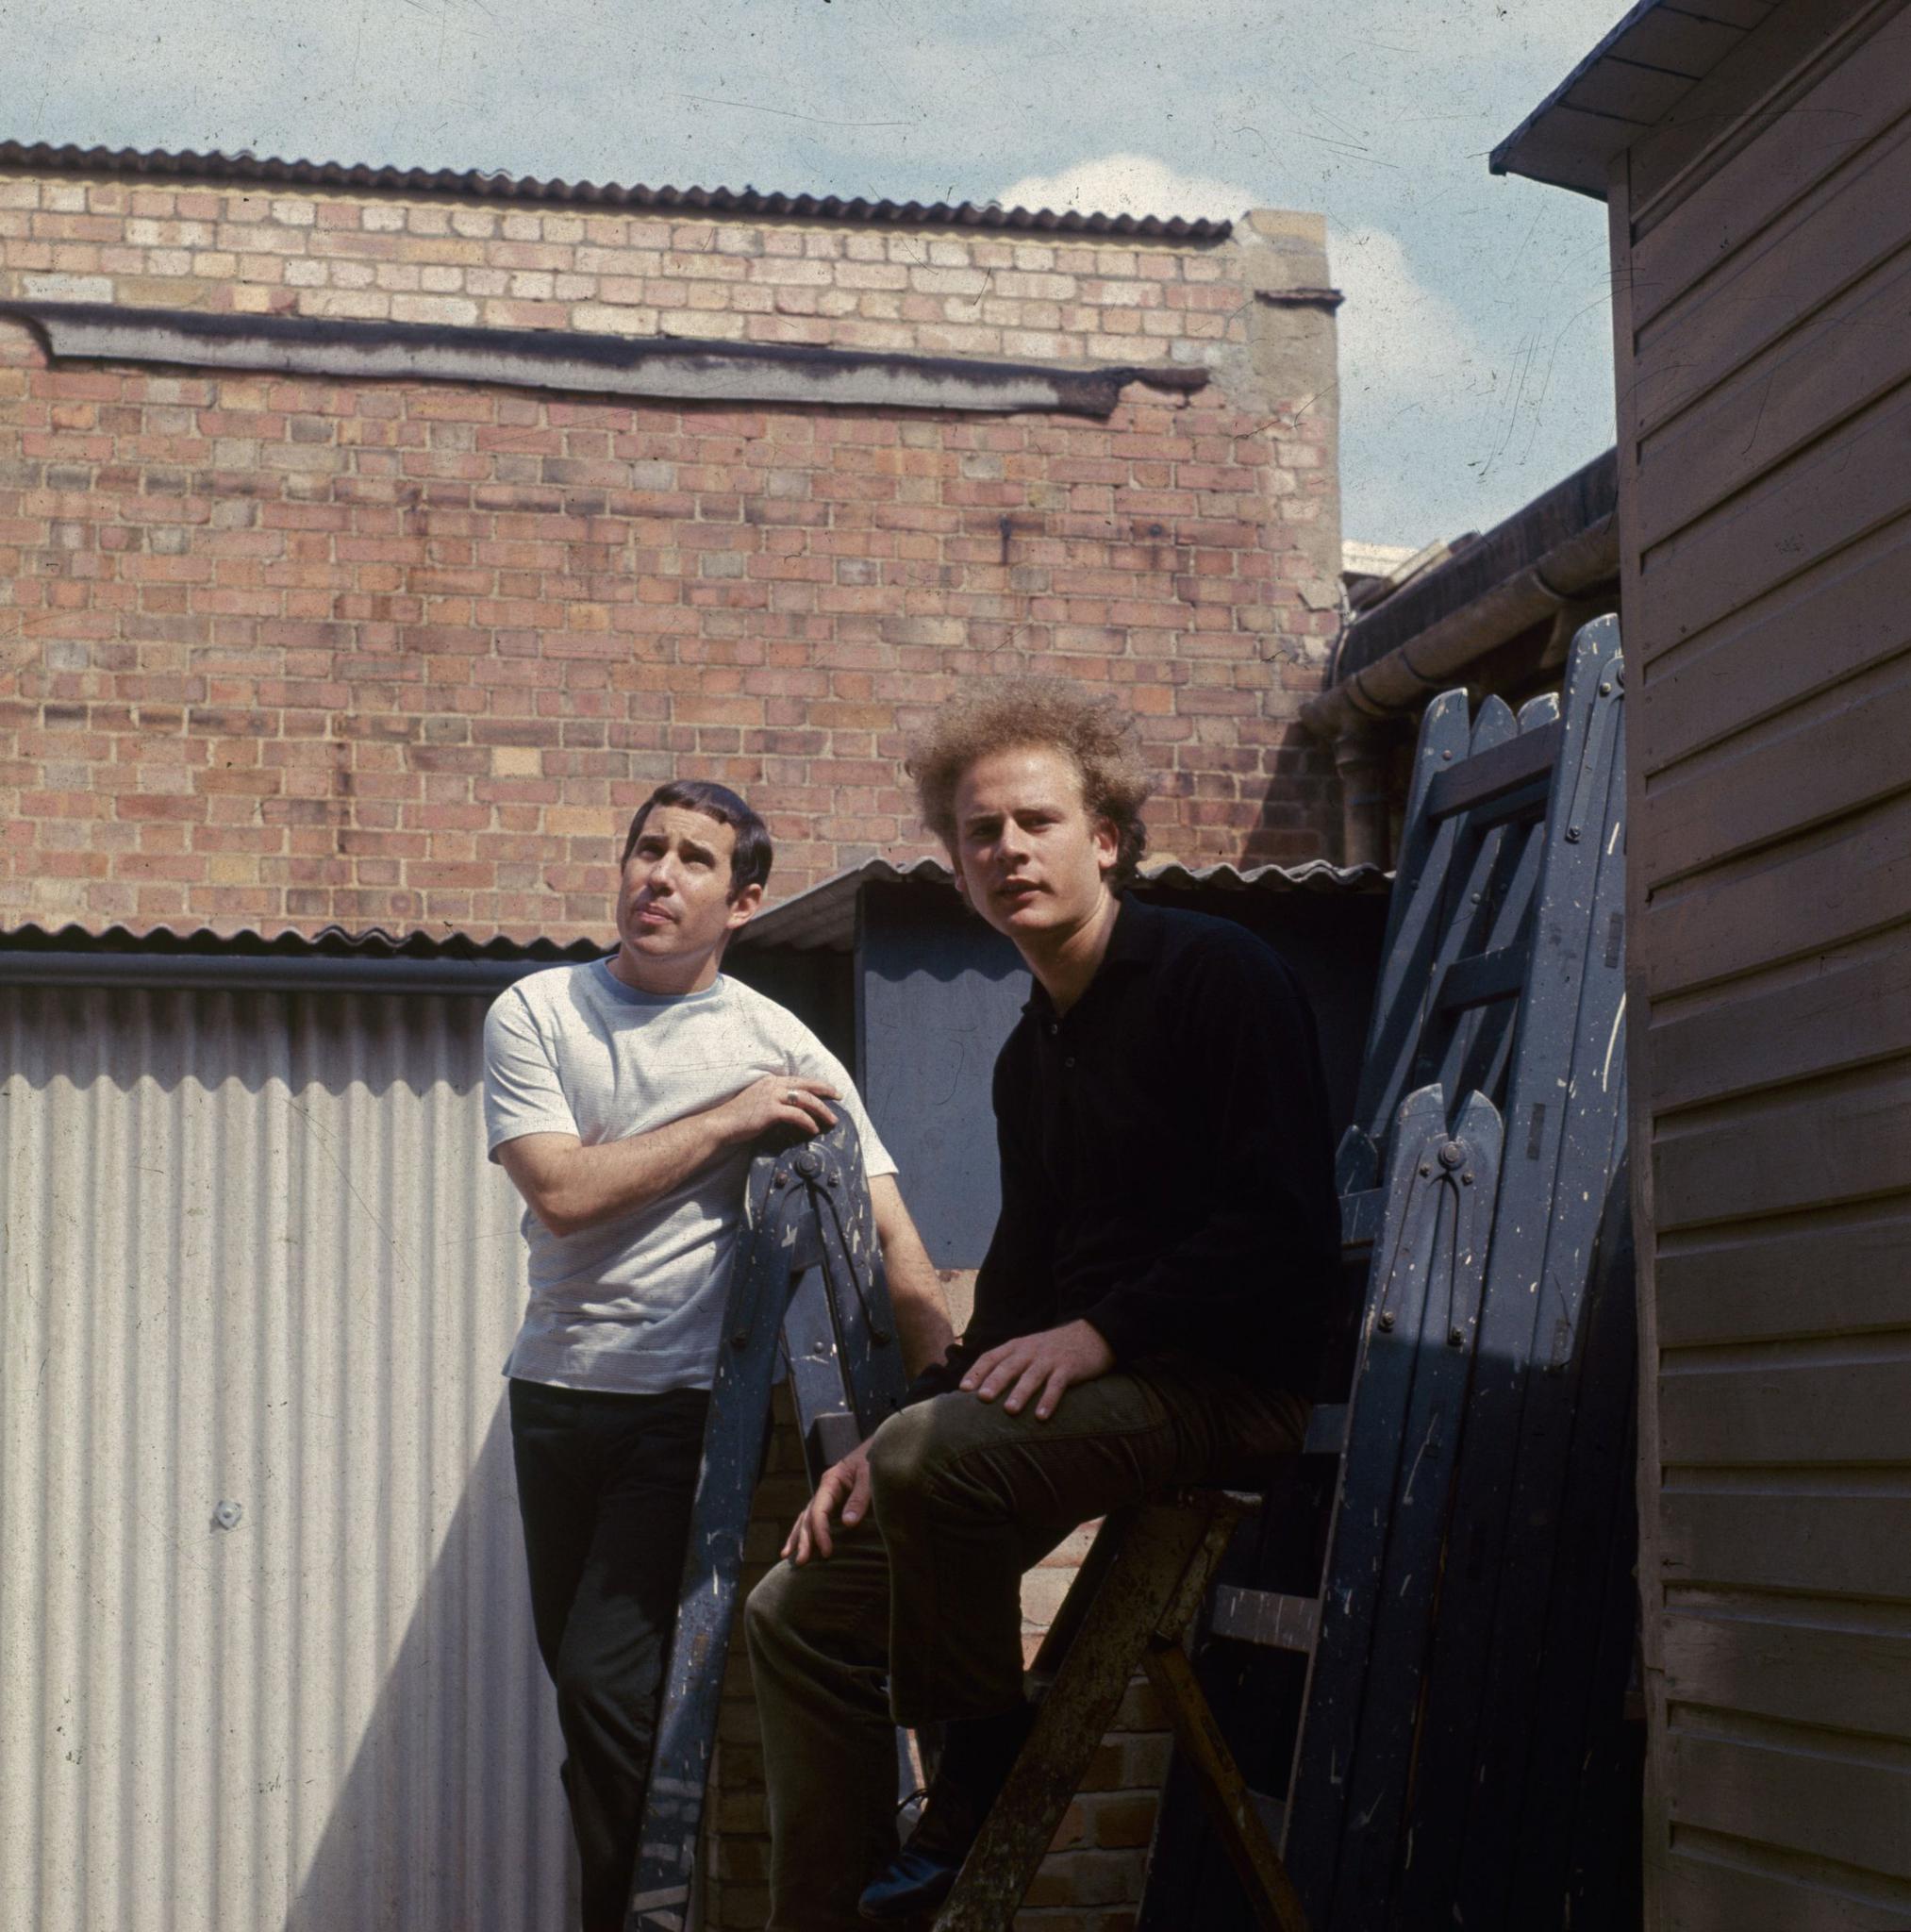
[[1125, 184], [1402, 344], [1410, 361]]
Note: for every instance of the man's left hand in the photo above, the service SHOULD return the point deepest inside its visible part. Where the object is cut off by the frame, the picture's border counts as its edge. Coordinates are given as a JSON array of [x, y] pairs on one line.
[[1041, 1368], [843, 1485]]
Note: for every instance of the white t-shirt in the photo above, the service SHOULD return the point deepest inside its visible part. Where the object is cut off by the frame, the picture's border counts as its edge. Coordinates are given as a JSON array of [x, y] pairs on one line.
[[636, 1304]]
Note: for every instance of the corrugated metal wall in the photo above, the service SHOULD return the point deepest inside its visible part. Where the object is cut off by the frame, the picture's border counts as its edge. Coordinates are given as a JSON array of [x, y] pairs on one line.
[[252, 1253], [1762, 244]]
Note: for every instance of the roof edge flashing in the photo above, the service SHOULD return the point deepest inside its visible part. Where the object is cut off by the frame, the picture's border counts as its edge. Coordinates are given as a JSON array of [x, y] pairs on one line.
[[1571, 143], [669, 368]]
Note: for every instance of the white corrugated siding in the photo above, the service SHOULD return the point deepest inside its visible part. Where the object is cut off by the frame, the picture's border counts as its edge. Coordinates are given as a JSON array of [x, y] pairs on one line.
[[252, 1252]]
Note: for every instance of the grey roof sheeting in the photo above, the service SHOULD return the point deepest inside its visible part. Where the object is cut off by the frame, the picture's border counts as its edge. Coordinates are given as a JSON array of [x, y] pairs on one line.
[[497, 186], [678, 368], [1630, 82], [824, 916], [332, 960]]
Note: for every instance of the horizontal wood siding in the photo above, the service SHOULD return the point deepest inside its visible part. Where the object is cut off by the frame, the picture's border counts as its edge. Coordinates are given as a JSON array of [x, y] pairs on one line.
[[1763, 255]]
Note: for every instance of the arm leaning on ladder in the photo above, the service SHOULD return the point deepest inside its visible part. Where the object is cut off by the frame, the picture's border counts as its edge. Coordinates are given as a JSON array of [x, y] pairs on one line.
[[569, 1187]]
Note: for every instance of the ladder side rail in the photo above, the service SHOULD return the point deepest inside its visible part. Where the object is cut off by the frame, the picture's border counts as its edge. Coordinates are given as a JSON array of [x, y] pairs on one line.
[[1236, 1819], [1375, 1834], [839, 1333], [1560, 1398], [1418, 880], [1355, 1544], [1464, 913], [1478, 1050], [1605, 1880], [1514, 1737], [1354, 1753], [1542, 1212], [1445, 728], [864, 1322], [1586, 1650], [726, 1480], [803, 1289]]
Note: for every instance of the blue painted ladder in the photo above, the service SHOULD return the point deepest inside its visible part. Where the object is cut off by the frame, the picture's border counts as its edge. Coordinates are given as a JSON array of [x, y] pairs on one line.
[[809, 1287]]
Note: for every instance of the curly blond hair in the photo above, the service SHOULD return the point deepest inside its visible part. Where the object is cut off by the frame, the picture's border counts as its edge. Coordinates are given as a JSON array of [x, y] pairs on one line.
[[1037, 713]]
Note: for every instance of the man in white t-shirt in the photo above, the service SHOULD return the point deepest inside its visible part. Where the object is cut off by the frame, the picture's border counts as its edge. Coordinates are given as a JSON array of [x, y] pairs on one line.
[[625, 1099]]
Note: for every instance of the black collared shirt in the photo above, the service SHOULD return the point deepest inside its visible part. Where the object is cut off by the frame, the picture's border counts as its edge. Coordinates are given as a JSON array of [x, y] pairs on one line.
[[1166, 1159]]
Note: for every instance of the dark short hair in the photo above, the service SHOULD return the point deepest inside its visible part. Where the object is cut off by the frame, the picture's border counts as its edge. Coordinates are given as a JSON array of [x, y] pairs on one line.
[[749, 858]]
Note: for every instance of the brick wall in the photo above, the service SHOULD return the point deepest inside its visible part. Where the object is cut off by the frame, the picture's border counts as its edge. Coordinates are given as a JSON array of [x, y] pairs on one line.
[[280, 651], [375, 257]]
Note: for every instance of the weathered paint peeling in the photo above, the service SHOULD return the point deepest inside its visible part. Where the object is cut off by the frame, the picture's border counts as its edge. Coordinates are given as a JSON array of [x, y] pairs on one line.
[[666, 368]]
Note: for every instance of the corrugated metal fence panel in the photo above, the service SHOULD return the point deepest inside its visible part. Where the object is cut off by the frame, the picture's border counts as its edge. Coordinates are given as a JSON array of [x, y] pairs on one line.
[[252, 1253]]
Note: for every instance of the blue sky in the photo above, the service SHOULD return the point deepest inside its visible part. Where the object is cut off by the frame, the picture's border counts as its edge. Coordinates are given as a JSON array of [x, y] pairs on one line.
[[1475, 341]]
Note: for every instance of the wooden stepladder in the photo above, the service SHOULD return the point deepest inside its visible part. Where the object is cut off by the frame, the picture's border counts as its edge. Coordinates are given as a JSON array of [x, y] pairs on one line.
[[809, 1287], [1474, 1599], [1143, 1580]]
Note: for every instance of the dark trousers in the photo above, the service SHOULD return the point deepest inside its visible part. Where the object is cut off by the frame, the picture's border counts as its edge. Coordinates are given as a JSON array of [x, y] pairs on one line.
[[918, 1615], [605, 1486]]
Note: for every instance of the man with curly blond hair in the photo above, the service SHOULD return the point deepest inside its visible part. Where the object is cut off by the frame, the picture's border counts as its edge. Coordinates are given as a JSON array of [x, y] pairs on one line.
[[1149, 1313]]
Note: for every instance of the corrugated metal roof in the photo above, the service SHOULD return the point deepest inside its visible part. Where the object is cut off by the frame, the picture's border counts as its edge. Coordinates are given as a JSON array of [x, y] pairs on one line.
[[826, 914], [1632, 80], [265, 1640], [331, 941], [333, 960], [497, 186]]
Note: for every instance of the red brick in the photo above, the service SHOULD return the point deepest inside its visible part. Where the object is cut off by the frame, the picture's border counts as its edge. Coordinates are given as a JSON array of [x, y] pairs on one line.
[[327, 661]]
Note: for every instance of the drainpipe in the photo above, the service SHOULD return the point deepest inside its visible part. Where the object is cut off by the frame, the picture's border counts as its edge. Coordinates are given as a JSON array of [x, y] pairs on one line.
[[1440, 655], [1360, 759], [1355, 711]]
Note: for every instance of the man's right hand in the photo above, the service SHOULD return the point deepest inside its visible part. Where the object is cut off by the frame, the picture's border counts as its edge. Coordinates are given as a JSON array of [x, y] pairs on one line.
[[569, 1187], [777, 1100], [845, 1484]]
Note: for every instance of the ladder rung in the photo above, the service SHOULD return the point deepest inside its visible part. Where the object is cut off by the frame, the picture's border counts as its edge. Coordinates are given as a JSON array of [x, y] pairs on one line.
[[1273, 1814], [833, 1435], [1491, 773], [1266, 1618], [1361, 1218], [1526, 801], [1327, 1430], [1485, 976]]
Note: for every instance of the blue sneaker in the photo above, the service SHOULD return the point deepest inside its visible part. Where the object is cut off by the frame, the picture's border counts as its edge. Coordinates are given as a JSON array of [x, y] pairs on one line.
[[913, 1882]]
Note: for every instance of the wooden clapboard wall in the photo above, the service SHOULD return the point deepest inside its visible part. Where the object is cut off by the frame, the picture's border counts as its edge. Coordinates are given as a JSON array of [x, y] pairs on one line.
[[1762, 249]]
